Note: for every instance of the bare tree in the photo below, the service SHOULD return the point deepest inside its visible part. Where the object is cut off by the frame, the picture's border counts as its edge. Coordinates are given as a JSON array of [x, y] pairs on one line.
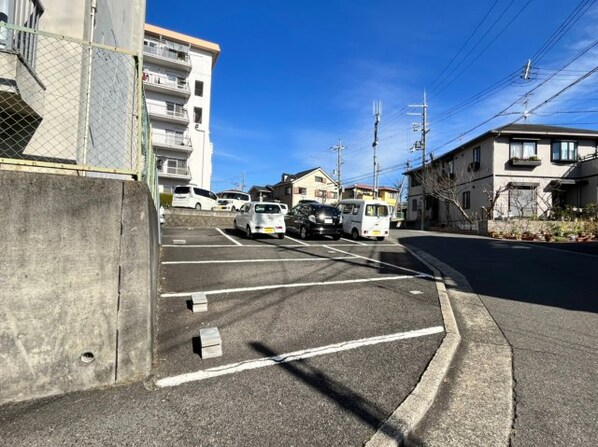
[[441, 182]]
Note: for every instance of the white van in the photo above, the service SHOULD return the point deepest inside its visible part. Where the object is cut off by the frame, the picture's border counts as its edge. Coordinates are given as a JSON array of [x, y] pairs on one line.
[[232, 200], [190, 196], [365, 218]]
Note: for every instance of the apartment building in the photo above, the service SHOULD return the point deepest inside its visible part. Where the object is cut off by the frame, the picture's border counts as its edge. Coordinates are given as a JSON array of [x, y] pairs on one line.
[[515, 171], [53, 88], [177, 78]]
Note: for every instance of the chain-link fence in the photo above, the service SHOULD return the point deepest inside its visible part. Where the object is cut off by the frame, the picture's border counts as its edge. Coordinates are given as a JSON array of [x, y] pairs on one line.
[[72, 105]]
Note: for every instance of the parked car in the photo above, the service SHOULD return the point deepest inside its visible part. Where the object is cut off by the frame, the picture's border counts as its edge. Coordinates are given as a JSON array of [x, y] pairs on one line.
[[260, 218], [365, 218], [232, 200], [190, 196], [308, 219]]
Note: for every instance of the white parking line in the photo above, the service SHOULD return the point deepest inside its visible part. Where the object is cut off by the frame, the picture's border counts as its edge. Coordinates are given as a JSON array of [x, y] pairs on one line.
[[423, 275], [233, 246], [298, 241], [352, 241], [228, 237], [292, 356], [272, 245], [242, 261], [303, 284]]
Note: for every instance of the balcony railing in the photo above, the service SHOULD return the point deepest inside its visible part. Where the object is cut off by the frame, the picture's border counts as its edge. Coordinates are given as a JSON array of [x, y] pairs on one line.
[[23, 13], [167, 52], [182, 171], [161, 80], [168, 111], [171, 140]]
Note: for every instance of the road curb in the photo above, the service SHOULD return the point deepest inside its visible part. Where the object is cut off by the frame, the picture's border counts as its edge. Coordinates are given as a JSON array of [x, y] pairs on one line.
[[394, 431]]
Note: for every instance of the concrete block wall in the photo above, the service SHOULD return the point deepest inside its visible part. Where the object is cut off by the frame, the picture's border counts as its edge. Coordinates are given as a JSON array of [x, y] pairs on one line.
[[78, 268], [188, 218]]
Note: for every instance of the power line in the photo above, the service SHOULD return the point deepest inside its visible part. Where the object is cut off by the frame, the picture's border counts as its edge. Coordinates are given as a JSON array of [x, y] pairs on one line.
[[563, 28]]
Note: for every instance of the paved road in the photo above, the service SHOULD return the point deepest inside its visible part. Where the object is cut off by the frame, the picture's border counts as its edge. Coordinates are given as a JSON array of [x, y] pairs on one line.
[[544, 299], [268, 297]]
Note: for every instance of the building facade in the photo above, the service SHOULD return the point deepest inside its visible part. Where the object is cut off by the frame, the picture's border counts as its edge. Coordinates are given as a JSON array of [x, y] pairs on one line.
[[177, 78], [312, 184], [385, 193], [515, 171]]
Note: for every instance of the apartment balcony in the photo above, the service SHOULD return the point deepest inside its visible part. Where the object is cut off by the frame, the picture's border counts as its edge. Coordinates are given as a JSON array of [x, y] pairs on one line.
[[163, 84], [169, 114], [172, 142], [22, 93], [167, 55], [175, 172]]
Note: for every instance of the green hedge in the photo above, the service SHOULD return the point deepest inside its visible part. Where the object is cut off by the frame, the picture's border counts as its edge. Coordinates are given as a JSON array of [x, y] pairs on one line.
[[166, 199]]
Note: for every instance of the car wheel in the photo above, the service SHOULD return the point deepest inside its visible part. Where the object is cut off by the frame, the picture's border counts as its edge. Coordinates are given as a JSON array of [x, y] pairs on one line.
[[336, 237], [380, 238], [280, 235], [355, 234], [198, 206], [248, 233], [303, 233]]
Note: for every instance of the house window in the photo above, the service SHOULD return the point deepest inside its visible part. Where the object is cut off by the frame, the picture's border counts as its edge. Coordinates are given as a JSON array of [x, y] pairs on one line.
[[287, 191], [476, 154], [197, 115], [319, 179], [466, 201], [523, 149], [198, 88], [451, 167], [414, 180], [414, 205], [303, 191], [522, 202], [564, 150]]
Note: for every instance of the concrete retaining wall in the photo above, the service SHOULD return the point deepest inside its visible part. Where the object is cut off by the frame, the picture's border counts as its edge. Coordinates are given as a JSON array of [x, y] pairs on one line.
[[188, 218], [78, 268]]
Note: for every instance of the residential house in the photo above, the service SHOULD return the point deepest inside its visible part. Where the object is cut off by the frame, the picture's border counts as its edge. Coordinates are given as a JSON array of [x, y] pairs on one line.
[[260, 193], [361, 191], [177, 78], [515, 171], [312, 184]]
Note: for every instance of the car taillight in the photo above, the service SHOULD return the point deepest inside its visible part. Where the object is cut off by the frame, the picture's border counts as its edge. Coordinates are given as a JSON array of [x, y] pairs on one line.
[[312, 218]]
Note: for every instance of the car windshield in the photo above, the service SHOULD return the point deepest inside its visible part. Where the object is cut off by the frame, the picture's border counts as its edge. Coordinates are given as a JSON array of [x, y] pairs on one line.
[[326, 210], [376, 210], [181, 190], [233, 195], [267, 209]]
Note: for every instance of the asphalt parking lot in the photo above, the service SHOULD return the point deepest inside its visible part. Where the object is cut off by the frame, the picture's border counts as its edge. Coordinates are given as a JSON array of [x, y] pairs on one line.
[[322, 340], [343, 311]]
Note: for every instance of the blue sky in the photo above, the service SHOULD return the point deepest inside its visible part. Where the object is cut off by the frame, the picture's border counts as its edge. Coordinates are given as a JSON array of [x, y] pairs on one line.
[[294, 77]]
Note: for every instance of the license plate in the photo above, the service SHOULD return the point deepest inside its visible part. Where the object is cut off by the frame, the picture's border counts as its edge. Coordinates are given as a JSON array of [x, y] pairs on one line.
[[328, 221], [268, 230], [376, 232]]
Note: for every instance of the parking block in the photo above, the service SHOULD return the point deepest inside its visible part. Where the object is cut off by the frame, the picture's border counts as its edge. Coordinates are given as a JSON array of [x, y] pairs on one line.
[[211, 343], [199, 302]]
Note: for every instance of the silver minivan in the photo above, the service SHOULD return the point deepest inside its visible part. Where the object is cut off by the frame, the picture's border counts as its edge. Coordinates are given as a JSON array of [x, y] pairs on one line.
[[191, 196]]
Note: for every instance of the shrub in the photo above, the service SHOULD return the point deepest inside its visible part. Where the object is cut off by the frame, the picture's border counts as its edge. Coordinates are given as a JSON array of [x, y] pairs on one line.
[[166, 199]]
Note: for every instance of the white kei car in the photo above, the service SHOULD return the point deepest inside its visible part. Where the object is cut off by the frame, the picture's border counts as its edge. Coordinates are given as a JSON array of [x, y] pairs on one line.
[[261, 218]]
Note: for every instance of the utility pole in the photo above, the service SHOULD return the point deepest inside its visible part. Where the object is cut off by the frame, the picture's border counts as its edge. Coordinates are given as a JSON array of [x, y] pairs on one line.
[[339, 161], [421, 145], [242, 181], [377, 114]]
